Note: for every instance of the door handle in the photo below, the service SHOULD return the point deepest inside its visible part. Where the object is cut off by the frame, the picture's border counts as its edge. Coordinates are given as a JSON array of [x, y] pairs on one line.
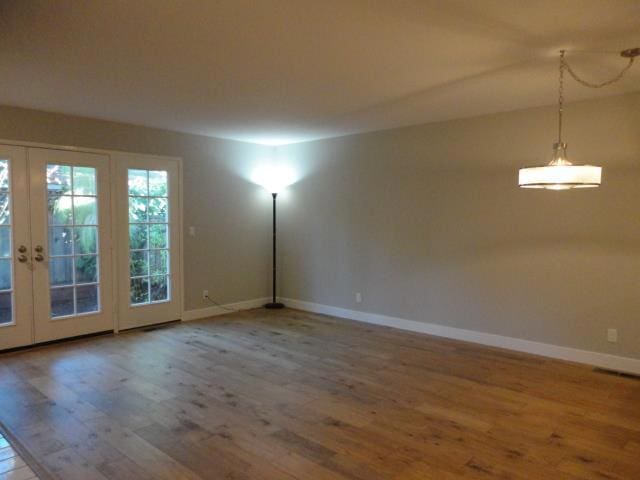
[[22, 249], [23, 258], [39, 257]]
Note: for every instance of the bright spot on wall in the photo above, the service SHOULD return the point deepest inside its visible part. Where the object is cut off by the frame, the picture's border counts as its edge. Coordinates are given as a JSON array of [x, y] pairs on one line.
[[273, 177]]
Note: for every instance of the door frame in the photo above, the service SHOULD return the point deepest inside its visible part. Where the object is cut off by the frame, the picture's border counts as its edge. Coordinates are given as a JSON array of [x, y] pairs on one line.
[[113, 154]]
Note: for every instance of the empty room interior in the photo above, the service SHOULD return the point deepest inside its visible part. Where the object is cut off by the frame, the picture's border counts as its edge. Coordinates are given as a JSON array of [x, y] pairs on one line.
[[319, 240]]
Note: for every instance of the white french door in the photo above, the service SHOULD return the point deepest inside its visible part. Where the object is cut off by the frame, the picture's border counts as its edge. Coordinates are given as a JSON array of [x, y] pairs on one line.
[[71, 242], [148, 219], [55, 246], [16, 310]]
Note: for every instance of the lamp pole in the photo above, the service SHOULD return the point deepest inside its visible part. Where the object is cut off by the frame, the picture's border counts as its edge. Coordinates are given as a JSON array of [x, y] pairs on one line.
[[274, 304]]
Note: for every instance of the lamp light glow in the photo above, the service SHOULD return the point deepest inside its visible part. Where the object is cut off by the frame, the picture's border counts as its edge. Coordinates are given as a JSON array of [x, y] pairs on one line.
[[273, 178]]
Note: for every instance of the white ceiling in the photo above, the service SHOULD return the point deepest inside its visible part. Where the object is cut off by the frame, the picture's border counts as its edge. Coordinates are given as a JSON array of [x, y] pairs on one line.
[[278, 71]]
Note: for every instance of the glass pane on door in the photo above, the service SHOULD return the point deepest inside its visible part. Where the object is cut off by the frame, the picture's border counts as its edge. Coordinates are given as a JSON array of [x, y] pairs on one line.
[[149, 257], [74, 260], [6, 261]]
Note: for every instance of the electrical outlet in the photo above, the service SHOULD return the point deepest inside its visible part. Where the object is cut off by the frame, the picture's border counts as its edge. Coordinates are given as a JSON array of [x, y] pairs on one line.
[[192, 231], [358, 297], [205, 294], [612, 335]]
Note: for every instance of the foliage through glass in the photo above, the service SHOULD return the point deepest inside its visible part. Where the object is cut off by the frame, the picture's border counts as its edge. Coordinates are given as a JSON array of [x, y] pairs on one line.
[[6, 270], [148, 236], [73, 240]]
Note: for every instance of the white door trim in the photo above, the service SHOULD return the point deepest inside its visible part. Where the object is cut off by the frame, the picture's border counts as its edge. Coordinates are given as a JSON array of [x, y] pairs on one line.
[[53, 146]]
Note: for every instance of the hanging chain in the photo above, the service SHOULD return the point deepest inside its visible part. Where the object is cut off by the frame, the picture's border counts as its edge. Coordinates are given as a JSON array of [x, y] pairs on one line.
[[595, 85], [561, 94], [631, 54]]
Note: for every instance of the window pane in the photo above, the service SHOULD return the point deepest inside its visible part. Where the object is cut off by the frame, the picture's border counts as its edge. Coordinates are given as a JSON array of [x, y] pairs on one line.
[[158, 236], [5, 308], [138, 236], [85, 240], [158, 183], [5, 241], [157, 209], [61, 271], [61, 301], [60, 241], [148, 229], [85, 210], [86, 269], [73, 239], [138, 263], [5, 211], [60, 209], [138, 209], [6, 298], [158, 262], [159, 288], [138, 182], [84, 181], [59, 179], [5, 274], [4, 176], [87, 299], [139, 290]]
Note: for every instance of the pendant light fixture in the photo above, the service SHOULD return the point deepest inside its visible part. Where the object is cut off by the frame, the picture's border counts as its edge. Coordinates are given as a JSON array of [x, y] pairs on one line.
[[560, 173]]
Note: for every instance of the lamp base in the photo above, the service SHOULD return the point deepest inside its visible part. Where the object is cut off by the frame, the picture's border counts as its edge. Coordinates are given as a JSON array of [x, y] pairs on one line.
[[273, 305]]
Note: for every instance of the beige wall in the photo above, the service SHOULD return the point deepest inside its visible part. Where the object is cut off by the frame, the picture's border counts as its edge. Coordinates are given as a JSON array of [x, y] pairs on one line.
[[230, 254], [428, 223]]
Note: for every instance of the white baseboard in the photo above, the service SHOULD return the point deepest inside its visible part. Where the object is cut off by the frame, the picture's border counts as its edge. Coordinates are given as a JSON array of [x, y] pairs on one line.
[[216, 310], [602, 360]]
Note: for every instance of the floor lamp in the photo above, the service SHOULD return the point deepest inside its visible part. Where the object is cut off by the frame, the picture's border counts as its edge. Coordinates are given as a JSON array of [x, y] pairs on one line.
[[273, 304]]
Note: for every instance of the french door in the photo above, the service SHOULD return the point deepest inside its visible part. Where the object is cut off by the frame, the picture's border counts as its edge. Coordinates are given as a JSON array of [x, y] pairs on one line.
[[59, 210], [55, 245], [71, 242], [16, 307], [148, 244]]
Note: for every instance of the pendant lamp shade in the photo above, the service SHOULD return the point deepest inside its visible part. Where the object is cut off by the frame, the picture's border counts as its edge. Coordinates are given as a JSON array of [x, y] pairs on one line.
[[560, 173]]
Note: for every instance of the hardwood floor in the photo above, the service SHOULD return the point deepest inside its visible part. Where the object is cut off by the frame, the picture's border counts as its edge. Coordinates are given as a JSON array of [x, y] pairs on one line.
[[290, 395]]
